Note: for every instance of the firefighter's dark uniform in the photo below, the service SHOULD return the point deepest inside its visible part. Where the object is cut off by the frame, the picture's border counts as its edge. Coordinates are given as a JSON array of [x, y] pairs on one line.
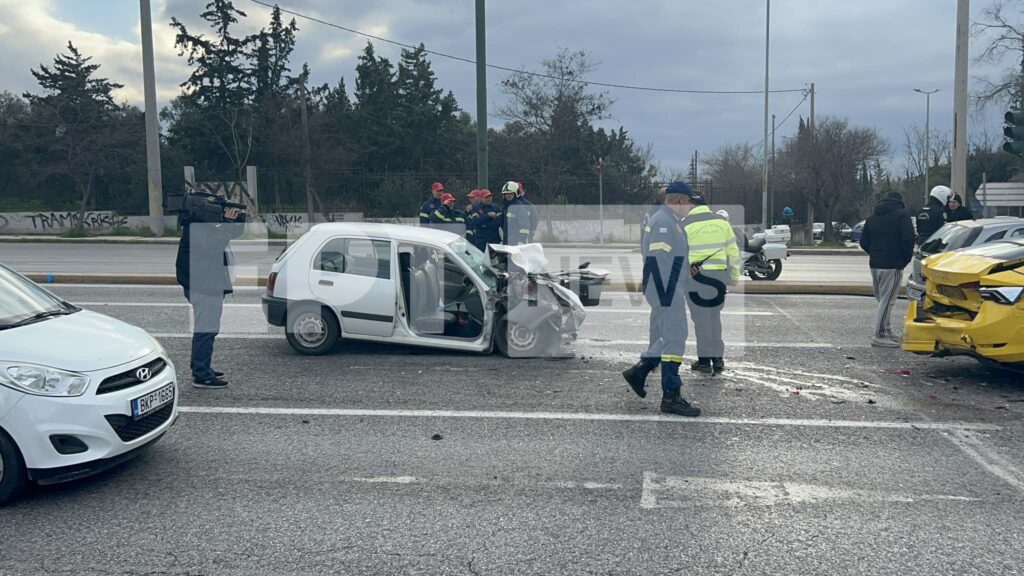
[[520, 222], [428, 208], [712, 244], [485, 228], [448, 219]]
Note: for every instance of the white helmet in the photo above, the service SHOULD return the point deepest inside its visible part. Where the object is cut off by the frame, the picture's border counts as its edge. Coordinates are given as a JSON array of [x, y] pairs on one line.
[[511, 187], [942, 194], [723, 214]]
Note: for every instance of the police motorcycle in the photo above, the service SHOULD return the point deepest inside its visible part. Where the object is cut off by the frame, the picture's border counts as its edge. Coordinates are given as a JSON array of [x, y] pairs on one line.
[[762, 260]]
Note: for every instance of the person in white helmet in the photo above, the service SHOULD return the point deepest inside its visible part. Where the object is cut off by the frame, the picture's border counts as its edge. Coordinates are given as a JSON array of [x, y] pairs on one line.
[[741, 238], [521, 217], [934, 214]]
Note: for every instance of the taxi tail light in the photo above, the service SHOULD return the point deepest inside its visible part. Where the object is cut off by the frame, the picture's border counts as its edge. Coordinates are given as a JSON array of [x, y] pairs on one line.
[[271, 283], [1008, 295]]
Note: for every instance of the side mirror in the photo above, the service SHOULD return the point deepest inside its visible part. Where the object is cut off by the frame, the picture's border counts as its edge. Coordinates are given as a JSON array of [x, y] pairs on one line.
[[584, 266]]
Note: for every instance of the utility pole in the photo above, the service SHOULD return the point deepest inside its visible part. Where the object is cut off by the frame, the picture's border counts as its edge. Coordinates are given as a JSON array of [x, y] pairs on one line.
[[156, 193], [959, 170], [771, 196], [927, 136], [600, 196], [764, 171], [811, 124], [306, 154], [481, 97]]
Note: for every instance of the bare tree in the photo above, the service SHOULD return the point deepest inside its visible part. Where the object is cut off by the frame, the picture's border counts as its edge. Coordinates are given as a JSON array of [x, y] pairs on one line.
[[736, 170], [939, 150], [1003, 29]]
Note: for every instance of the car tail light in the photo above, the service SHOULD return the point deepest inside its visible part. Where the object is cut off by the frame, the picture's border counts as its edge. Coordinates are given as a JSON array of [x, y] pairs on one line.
[[1004, 295], [271, 282], [970, 286]]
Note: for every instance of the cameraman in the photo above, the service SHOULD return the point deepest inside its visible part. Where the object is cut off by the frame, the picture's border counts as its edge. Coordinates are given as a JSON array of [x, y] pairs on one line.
[[202, 269]]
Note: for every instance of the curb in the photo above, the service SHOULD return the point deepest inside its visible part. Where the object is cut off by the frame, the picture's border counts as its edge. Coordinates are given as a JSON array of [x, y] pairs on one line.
[[171, 240], [779, 288]]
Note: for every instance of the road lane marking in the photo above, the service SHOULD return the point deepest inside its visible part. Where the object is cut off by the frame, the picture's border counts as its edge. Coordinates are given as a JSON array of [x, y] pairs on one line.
[[382, 479], [611, 343], [994, 463], [677, 492], [583, 416]]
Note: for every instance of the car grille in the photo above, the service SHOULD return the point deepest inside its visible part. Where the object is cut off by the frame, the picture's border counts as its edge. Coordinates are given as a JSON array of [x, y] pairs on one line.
[[953, 292], [129, 378], [128, 429]]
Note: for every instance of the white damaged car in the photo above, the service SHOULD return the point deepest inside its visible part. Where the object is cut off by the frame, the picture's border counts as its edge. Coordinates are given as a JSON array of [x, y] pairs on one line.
[[423, 287], [80, 392]]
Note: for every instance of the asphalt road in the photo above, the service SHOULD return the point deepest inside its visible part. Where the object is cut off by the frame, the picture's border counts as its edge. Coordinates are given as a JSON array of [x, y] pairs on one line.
[[813, 456], [624, 265]]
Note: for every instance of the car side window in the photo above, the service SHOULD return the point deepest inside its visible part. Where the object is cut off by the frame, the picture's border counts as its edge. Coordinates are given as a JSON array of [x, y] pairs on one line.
[[997, 236], [1019, 232], [357, 256]]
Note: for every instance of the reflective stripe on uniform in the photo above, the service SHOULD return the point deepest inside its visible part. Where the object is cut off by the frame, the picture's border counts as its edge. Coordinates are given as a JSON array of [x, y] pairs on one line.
[[424, 215], [647, 228], [711, 246], [524, 230], [442, 217], [671, 358], [663, 246]]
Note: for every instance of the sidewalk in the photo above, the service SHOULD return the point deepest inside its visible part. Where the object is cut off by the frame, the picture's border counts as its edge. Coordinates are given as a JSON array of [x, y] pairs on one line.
[[44, 239]]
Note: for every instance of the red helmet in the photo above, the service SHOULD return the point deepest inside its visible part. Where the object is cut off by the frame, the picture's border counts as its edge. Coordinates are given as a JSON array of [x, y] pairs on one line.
[[484, 193], [474, 193], [436, 187], [446, 197]]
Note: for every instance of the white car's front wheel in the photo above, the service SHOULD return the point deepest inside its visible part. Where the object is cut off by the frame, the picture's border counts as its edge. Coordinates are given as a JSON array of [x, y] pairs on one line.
[[516, 341], [312, 330], [12, 469]]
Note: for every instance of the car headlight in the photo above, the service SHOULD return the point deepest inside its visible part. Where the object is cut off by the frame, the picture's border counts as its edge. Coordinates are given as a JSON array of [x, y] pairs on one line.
[[1002, 295], [42, 380]]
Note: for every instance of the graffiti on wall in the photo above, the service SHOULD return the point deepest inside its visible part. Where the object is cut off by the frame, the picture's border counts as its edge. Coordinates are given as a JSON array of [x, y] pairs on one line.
[[56, 222]]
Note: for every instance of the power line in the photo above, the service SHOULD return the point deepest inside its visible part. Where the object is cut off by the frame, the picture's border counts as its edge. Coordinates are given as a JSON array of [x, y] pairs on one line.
[[517, 70], [791, 112]]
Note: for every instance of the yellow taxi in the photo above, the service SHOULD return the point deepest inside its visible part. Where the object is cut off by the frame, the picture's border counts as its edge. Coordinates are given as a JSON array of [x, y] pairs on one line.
[[972, 304]]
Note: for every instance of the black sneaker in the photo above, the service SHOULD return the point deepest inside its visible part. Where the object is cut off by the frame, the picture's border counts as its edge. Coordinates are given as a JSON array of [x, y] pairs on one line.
[[717, 368], [214, 382], [702, 367]]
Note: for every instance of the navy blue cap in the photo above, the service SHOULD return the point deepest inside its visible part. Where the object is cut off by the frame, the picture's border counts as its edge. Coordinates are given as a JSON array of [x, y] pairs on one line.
[[684, 189]]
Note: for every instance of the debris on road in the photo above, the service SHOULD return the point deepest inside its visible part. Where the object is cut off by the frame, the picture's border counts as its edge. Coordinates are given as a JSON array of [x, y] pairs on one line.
[[436, 437], [898, 371]]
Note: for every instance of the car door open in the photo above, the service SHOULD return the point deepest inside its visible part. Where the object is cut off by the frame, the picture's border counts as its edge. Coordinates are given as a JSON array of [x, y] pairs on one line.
[[354, 276]]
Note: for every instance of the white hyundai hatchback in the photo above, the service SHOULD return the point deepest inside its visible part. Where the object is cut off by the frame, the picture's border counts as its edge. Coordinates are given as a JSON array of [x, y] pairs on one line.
[[80, 392]]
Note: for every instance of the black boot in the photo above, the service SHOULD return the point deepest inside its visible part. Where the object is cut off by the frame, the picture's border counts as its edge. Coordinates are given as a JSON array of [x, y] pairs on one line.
[[636, 377], [702, 365], [717, 366], [673, 403]]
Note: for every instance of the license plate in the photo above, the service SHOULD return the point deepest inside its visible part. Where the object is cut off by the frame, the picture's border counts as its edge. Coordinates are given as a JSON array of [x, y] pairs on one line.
[[152, 401], [915, 294]]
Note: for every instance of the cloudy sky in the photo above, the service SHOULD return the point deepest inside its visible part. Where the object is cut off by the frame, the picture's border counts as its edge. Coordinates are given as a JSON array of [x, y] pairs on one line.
[[865, 56]]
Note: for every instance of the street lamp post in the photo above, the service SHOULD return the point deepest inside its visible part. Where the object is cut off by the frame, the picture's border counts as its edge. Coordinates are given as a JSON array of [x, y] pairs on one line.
[[927, 134], [764, 169]]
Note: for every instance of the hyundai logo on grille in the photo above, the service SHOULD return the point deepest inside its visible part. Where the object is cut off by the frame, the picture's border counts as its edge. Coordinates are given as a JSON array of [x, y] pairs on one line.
[[142, 374]]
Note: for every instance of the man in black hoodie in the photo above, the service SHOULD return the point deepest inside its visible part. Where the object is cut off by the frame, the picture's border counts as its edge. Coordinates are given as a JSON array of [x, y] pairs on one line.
[[888, 238]]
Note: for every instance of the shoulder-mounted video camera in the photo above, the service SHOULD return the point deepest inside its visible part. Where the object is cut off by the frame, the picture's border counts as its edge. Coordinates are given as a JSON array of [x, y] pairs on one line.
[[204, 207]]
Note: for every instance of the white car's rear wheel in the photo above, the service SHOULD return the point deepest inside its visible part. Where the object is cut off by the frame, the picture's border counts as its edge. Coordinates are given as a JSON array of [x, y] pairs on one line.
[[312, 330], [12, 470]]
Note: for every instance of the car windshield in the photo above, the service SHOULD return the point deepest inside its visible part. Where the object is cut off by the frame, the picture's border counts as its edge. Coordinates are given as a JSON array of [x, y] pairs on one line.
[[476, 260], [21, 300], [950, 237]]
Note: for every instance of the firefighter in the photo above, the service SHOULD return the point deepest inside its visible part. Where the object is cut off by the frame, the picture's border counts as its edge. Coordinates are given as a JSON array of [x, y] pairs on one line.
[[447, 217], [471, 209], [428, 207], [521, 217], [716, 264], [486, 218], [665, 276]]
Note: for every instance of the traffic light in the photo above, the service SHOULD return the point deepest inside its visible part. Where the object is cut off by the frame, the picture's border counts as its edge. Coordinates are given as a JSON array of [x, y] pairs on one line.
[[1014, 131]]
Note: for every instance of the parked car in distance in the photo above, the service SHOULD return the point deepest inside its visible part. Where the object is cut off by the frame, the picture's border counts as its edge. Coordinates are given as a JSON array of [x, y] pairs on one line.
[[818, 231], [423, 287], [957, 235], [856, 231], [80, 392], [972, 304]]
